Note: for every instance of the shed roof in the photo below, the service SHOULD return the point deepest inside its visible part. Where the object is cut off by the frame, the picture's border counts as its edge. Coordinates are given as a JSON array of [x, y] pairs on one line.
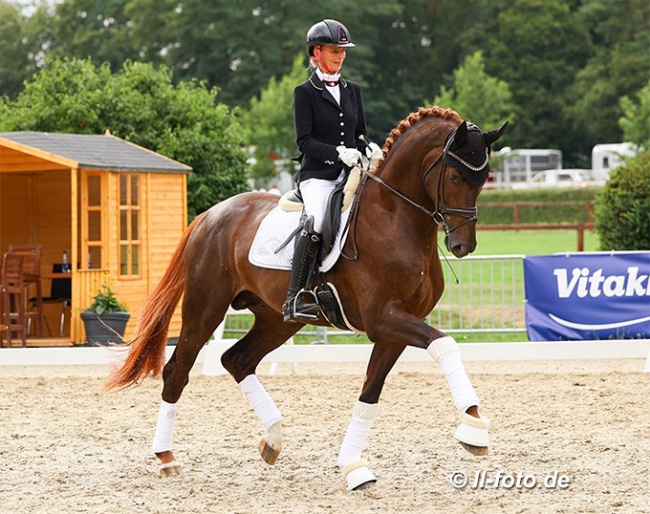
[[88, 151]]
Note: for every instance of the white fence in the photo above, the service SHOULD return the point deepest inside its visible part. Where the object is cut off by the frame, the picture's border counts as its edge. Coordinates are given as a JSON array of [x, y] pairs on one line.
[[488, 298]]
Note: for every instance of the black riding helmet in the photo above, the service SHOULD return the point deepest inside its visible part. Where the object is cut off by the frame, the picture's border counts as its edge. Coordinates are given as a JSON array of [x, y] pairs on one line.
[[328, 32]]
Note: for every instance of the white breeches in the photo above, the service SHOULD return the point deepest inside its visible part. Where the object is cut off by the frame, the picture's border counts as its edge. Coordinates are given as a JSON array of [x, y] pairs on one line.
[[314, 193], [446, 353]]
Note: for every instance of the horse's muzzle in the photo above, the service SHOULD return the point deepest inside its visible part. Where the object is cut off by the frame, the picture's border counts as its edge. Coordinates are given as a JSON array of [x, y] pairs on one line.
[[459, 246]]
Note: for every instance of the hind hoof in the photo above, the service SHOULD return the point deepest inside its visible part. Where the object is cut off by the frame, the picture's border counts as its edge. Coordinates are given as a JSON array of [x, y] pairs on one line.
[[268, 453], [170, 469]]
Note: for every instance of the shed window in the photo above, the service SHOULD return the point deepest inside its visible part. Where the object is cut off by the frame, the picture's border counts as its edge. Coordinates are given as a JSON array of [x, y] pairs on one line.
[[130, 225], [92, 248]]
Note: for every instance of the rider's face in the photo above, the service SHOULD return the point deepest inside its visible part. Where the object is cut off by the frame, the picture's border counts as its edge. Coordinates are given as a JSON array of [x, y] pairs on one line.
[[331, 56]]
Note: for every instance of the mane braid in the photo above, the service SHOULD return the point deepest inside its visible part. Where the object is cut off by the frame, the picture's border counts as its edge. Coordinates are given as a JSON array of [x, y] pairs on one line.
[[412, 119]]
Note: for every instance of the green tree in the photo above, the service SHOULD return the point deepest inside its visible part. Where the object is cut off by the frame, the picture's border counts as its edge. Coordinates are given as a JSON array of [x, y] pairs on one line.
[[477, 96], [100, 30], [139, 103], [618, 65], [269, 121], [537, 47], [22, 42], [635, 122], [13, 54]]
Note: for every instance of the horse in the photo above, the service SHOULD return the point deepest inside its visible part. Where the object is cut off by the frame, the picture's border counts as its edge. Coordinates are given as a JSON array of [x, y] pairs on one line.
[[432, 169]]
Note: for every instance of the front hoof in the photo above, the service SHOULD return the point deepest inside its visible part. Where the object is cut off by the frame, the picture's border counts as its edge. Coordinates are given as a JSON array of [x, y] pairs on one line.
[[170, 469], [473, 434], [359, 476], [365, 486], [268, 453], [475, 450]]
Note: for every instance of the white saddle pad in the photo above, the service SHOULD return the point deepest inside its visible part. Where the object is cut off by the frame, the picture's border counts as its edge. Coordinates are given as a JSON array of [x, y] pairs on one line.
[[275, 229]]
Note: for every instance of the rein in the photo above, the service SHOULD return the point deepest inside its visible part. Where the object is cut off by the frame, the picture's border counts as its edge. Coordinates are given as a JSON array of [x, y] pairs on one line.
[[440, 209]]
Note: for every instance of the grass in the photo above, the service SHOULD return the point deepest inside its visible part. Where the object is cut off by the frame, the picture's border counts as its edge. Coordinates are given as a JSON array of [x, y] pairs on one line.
[[532, 242]]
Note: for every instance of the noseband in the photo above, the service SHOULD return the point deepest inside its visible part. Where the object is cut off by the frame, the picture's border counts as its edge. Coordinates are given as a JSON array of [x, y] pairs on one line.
[[440, 209]]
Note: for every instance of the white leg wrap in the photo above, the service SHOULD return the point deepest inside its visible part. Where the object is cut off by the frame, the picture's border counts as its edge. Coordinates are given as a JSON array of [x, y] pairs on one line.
[[446, 353], [262, 403], [363, 415], [162, 439]]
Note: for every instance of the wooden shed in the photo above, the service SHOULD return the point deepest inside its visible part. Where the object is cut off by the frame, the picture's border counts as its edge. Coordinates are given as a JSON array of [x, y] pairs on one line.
[[117, 209]]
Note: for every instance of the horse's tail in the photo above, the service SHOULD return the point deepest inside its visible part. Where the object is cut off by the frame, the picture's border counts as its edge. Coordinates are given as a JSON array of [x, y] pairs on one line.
[[147, 350]]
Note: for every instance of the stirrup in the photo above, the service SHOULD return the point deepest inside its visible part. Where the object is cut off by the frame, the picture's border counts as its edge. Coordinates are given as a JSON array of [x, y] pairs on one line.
[[292, 313]]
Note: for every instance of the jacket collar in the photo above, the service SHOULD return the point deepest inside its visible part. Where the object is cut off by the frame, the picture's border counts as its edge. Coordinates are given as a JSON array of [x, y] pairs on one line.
[[317, 83]]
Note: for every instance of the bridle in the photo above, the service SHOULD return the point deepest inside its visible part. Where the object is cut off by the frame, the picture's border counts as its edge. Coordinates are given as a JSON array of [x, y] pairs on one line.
[[440, 209]]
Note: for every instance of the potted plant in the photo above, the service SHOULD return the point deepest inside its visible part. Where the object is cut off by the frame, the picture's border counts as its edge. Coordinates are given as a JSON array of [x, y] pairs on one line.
[[106, 318]]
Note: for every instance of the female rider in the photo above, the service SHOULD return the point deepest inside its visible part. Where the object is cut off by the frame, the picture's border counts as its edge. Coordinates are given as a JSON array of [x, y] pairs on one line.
[[328, 120]]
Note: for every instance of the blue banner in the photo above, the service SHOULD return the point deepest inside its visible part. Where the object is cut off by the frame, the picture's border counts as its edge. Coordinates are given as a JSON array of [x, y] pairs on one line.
[[588, 296]]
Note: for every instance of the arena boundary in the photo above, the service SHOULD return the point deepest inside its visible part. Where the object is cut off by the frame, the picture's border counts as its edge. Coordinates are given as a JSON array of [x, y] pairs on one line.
[[210, 355]]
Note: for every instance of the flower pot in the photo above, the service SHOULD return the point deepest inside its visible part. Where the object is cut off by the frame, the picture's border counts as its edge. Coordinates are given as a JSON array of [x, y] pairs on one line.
[[105, 329]]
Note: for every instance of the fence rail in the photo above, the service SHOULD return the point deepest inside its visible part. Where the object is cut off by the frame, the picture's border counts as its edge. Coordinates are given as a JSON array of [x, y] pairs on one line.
[[488, 298]]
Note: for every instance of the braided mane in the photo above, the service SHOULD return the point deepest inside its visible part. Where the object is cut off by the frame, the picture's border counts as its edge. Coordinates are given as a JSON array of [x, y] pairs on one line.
[[412, 119]]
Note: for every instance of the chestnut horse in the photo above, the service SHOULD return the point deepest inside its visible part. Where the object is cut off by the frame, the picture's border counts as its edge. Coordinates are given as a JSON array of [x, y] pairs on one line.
[[433, 168]]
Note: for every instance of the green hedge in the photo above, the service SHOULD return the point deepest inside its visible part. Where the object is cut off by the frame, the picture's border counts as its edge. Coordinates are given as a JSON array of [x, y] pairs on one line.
[[622, 209], [504, 215]]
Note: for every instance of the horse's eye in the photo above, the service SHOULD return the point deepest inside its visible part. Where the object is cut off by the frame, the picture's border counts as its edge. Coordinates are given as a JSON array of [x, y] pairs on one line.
[[455, 178]]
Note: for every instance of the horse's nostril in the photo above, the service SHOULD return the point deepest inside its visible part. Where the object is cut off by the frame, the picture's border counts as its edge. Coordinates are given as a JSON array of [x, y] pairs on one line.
[[459, 250]]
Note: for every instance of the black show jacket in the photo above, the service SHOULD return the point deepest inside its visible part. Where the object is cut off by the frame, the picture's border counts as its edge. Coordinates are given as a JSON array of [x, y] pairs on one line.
[[321, 125]]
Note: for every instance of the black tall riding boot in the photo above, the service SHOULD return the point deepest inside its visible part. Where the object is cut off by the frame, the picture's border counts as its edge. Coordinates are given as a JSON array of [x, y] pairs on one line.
[[295, 307]]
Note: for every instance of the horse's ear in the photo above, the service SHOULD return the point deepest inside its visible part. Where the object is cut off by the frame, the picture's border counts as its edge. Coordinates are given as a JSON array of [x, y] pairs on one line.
[[492, 135], [460, 138]]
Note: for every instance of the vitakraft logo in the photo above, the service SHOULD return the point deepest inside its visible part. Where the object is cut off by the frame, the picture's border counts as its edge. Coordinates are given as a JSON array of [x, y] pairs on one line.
[[584, 283]]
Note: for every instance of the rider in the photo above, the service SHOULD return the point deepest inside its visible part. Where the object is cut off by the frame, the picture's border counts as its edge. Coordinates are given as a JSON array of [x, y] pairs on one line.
[[328, 120]]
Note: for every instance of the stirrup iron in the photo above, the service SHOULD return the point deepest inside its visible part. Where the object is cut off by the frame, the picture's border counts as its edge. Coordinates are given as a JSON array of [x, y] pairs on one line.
[[296, 314]]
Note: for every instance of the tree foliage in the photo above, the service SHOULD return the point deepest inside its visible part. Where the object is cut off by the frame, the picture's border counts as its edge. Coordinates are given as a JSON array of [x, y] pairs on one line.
[[567, 63], [618, 65], [537, 48], [138, 103], [269, 121], [477, 96], [635, 121], [622, 209]]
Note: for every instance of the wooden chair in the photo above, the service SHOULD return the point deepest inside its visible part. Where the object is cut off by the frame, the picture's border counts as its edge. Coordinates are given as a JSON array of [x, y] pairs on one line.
[[32, 275], [12, 297], [61, 293]]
